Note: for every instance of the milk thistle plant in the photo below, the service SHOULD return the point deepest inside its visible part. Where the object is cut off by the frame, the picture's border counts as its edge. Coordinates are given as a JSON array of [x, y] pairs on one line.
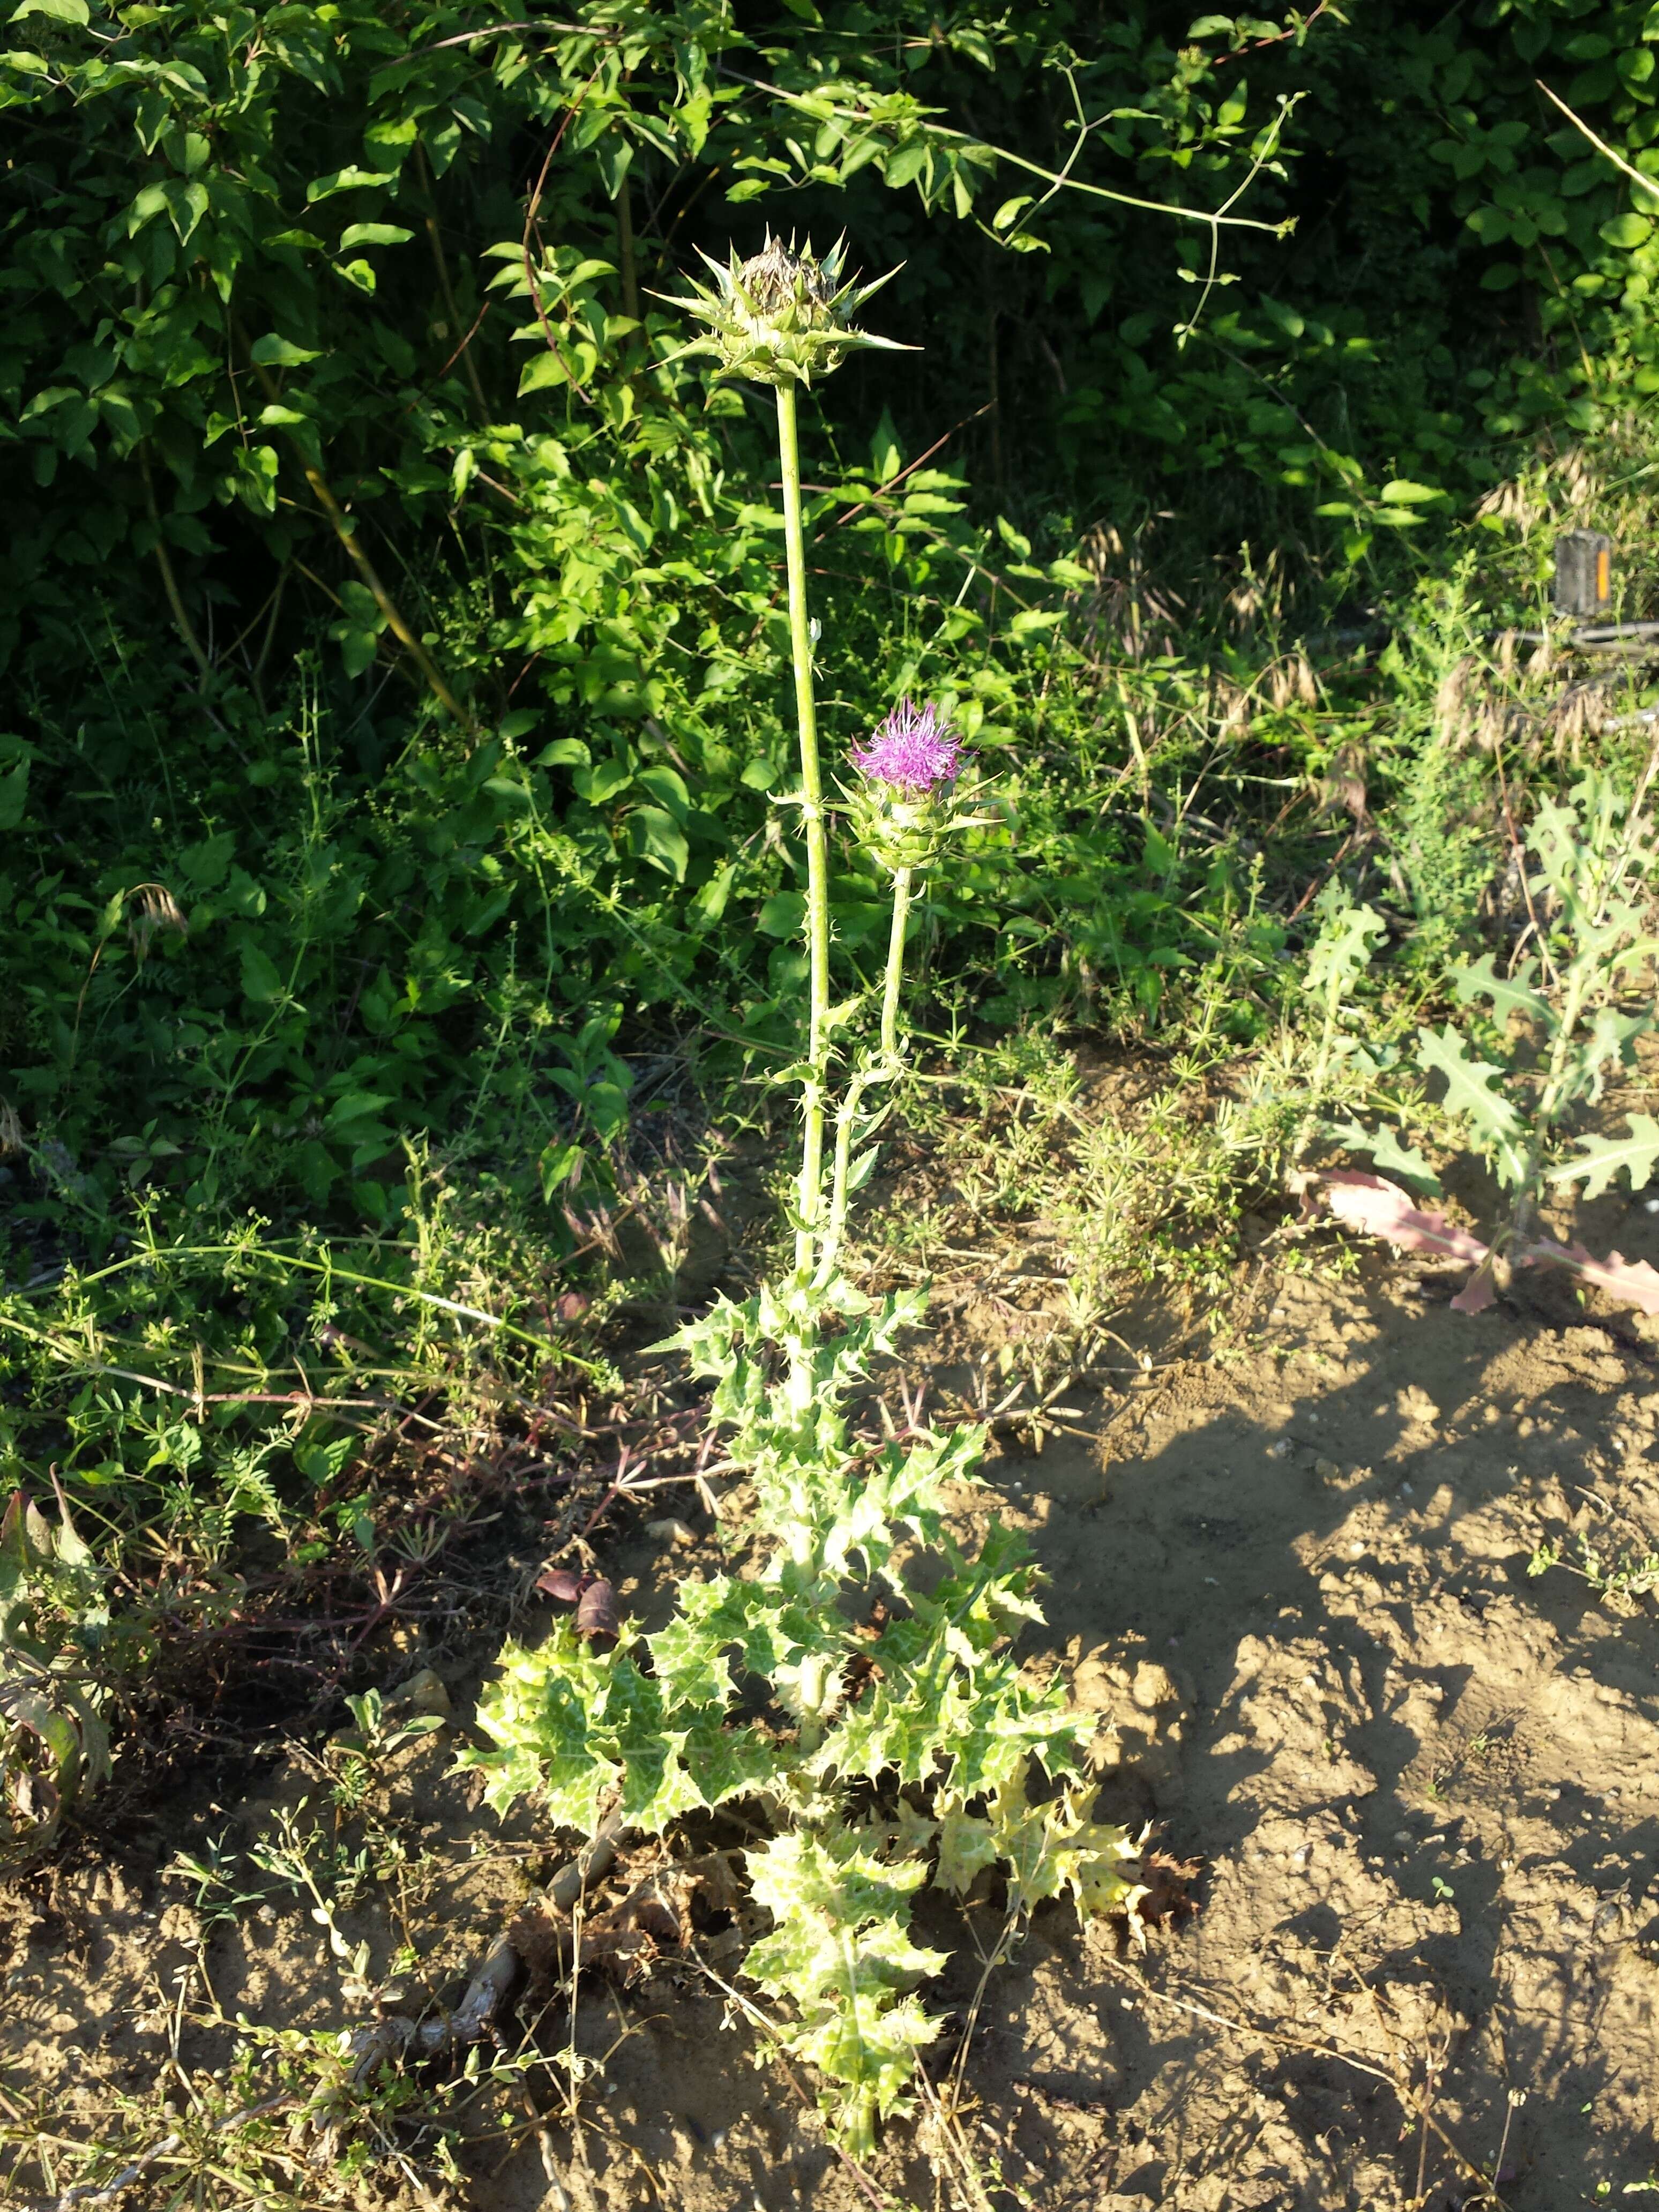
[[871, 1714]]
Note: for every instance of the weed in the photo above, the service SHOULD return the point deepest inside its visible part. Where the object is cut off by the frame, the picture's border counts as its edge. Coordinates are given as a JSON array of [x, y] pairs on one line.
[[1622, 1575], [897, 1743], [1586, 906]]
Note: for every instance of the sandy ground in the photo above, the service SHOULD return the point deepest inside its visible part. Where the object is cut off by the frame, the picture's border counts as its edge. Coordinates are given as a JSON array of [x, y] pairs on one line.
[[1292, 1582]]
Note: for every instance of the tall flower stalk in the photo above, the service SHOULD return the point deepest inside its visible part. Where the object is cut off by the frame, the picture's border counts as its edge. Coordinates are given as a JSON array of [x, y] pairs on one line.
[[809, 1193], [782, 319]]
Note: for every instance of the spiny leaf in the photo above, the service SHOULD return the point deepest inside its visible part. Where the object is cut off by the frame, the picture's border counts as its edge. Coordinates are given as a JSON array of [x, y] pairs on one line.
[[1555, 837], [543, 1715], [1602, 1158], [722, 1762], [1607, 1045], [868, 2043], [966, 1845], [1053, 1846], [688, 1659], [841, 1953], [1348, 935]]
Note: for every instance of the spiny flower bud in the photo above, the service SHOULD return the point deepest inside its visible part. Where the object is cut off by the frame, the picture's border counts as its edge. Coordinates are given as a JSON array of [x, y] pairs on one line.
[[782, 317]]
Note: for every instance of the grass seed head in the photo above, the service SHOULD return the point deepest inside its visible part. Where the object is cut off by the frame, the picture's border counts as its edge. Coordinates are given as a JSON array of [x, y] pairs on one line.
[[153, 911]]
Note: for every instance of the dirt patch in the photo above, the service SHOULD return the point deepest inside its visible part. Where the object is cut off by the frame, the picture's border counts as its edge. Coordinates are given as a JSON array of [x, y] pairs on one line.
[[1292, 1582]]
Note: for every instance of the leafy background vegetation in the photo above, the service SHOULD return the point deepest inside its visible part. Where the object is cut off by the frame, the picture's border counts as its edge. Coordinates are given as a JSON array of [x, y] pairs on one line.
[[392, 884]]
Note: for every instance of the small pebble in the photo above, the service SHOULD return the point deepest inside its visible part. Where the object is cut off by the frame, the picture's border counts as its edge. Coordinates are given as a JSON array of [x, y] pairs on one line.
[[1279, 1449], [669, 1532]]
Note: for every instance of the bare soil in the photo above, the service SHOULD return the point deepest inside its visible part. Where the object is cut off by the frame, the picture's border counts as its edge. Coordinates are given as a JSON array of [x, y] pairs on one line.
[[1292, 1582]]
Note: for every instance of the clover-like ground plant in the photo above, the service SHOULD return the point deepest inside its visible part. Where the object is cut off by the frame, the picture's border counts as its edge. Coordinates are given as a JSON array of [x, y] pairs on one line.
[[874, 1720]]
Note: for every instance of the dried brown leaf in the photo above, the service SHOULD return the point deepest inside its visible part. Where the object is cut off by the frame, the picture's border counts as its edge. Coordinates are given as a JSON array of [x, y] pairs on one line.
[[1167, 1885], [597, 1615]]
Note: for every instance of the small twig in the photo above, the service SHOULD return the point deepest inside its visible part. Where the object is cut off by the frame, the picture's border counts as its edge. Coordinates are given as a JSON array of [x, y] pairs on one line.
[[529, 231], [398, 2034], [502, 30], [440, 261], [1316, 2051], [349, 537], [909, 469], [170, 581], [1298, 31]]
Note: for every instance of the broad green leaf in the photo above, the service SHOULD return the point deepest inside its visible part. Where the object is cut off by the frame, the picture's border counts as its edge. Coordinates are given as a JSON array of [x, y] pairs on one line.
[[1403, 493], [60, 11], [1627, 232], [356, 1106], [260, 980], [349, 179], [374, 233], [656, 836], [273, 351], [14, 795]]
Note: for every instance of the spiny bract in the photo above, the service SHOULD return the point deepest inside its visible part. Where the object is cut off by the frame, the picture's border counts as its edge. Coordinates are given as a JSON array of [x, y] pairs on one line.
[[783, 316]]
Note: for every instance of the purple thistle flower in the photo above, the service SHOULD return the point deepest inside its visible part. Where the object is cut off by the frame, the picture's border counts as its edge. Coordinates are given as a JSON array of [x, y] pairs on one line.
[[914, 751]]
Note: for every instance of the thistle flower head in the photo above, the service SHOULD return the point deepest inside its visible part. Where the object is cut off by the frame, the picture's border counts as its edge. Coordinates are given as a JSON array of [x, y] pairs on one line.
[[906, 805], [783, 316], [914, 750]]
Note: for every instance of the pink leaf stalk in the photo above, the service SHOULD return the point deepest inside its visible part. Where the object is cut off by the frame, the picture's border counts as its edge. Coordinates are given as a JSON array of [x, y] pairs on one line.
[[1380, 1207], [1632, 1280]]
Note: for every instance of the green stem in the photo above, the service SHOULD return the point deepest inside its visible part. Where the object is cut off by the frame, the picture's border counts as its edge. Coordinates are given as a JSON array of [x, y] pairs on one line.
[[847, 1120], [1552, 1101], [890, 997], [885, 1070], [818, 843]]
